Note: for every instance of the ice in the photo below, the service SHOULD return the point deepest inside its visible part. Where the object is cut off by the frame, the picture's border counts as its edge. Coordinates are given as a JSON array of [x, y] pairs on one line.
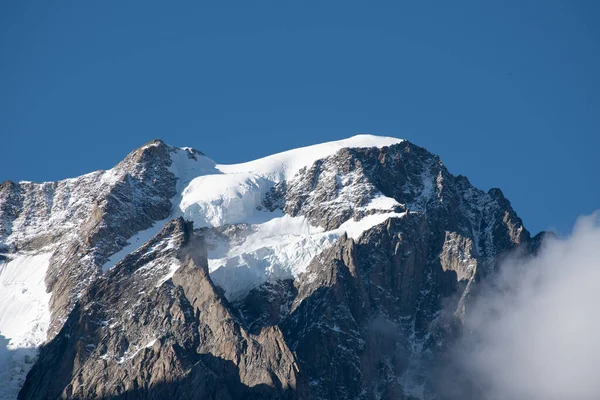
[[187, 164], [232, 193], [280, 246]]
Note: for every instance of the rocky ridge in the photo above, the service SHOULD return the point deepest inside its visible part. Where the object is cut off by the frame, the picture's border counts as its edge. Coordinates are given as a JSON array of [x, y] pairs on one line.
[[352, 274]]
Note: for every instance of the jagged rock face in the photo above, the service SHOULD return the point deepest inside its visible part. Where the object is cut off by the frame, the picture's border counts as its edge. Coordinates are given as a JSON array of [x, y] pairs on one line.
[[86, 219], [366, 312], [138, 327], [366, 317], [340, 187]]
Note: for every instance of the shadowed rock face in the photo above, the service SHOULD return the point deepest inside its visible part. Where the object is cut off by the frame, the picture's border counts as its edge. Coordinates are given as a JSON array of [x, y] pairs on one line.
[[182, 334], [368, 319]]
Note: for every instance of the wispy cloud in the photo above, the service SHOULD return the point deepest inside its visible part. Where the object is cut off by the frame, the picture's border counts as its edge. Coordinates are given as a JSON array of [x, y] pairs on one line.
[[535, 333]]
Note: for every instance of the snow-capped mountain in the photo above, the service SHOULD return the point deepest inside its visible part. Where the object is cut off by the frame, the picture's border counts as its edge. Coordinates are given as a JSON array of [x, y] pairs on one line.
[[339, 270]]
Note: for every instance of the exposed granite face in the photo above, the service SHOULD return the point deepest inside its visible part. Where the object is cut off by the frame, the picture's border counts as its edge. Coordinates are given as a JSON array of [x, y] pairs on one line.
[[364, 311], [342, 186], [133, 332], [86, 219], [368, 319], [11, 201]]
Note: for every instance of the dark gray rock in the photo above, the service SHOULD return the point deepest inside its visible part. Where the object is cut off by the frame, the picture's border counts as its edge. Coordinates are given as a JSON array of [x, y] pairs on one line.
[[132, 332], [369, 319]]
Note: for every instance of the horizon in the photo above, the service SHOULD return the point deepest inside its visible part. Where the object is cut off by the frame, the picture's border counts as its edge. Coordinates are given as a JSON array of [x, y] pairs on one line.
[[506, 95], [560, 234]]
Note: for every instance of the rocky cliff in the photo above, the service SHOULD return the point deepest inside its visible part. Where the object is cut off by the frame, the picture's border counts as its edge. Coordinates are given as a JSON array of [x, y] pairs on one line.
[[342, 270]]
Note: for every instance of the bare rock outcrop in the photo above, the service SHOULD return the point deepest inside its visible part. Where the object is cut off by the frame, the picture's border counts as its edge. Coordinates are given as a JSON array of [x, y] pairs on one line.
[[369, 317]]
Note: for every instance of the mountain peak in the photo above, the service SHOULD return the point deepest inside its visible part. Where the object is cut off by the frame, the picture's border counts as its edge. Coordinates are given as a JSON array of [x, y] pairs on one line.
[[308, 254]]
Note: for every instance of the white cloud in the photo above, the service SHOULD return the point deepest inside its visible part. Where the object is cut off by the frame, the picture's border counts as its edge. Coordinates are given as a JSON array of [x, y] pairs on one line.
[[536, 333]]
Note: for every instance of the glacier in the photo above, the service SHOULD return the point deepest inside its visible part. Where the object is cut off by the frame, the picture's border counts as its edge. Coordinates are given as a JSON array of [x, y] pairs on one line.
[[279, 246]]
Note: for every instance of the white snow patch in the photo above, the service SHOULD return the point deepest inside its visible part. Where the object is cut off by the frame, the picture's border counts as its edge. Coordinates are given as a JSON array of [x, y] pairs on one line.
[[129, 355], [281, 248], [356, 228], [381, 202], [24, 309], [215, 200], [187, 165], [135, 242], [174, 266], [277, 249], [24, 317]]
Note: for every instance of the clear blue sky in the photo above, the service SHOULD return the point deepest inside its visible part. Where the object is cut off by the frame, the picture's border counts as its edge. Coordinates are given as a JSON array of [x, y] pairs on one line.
[[506, 92]]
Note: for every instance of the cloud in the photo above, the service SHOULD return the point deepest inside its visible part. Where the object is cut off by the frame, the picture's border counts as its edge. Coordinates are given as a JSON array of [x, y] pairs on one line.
[[535, 332]]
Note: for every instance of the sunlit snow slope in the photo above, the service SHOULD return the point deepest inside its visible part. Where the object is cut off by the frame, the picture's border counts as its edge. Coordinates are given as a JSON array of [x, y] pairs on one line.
[[277, 245], [24, 317], [233, 194], [214, 195]]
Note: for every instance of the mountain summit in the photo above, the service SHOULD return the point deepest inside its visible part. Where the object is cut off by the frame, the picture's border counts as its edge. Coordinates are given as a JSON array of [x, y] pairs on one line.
[[339, 270]]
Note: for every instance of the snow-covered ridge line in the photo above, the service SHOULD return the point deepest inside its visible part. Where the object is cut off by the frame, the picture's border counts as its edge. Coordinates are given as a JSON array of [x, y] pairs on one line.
[[284, 165], [279, 246], [229, 194], [215, 195]]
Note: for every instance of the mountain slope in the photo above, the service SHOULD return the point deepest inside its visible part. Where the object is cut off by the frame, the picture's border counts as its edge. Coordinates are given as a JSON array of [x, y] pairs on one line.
[[339, 270]]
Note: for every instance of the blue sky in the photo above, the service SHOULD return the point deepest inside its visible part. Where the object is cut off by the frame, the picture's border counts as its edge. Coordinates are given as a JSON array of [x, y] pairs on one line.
[[507, 92]]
